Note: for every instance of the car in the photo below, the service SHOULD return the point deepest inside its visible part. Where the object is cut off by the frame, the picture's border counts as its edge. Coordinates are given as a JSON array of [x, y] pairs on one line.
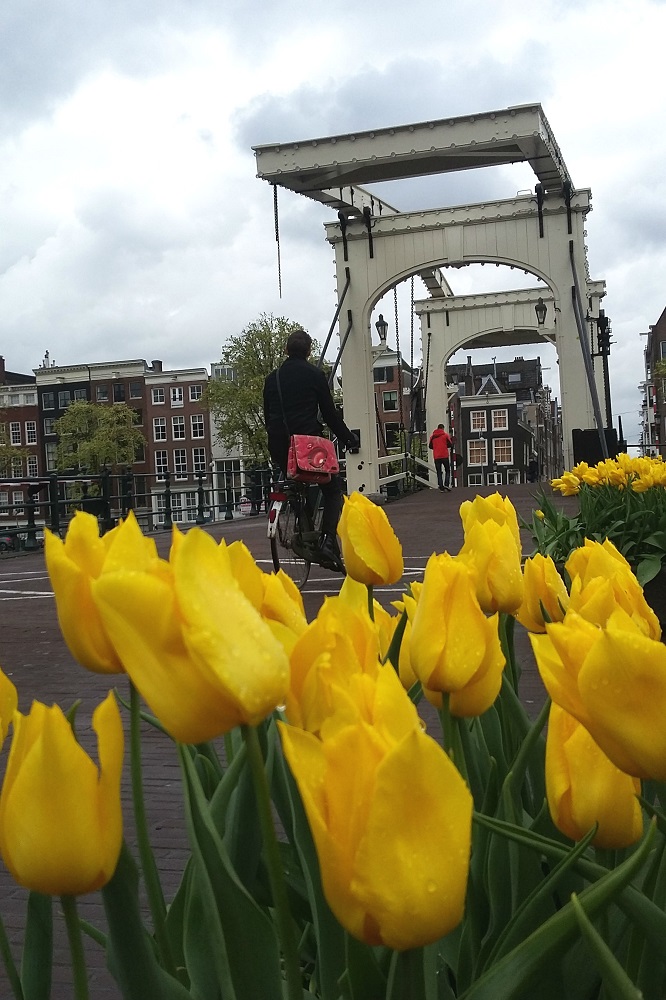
[[9, 543]]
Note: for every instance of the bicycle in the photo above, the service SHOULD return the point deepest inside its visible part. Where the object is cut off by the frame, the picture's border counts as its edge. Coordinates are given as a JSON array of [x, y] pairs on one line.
[[294, 528]]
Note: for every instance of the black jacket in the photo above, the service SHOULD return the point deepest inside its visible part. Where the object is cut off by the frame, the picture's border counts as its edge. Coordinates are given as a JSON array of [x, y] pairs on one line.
[[305, 394]]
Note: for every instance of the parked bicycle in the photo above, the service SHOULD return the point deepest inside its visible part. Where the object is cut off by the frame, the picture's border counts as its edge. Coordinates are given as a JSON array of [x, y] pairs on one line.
[[294, 528]]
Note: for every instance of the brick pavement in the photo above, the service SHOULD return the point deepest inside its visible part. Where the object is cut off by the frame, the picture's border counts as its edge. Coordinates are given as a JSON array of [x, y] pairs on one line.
[[34, 655]]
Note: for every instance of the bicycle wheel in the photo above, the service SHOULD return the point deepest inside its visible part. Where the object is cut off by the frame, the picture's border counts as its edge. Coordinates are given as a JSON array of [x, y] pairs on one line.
[[287, 548]]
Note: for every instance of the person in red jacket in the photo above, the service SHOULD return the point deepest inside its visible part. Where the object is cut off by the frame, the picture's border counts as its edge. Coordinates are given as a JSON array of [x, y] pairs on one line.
[[440, 444]]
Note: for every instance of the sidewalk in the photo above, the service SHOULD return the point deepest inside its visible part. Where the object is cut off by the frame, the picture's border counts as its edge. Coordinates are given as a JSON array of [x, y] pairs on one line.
[[34, 655]]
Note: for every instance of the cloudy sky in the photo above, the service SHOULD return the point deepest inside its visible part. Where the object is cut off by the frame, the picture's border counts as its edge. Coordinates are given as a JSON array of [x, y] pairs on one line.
[[131, 221]]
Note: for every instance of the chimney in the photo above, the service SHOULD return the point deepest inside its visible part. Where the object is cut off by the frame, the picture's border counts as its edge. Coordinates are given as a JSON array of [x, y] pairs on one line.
[[156, 366], [2, 370]]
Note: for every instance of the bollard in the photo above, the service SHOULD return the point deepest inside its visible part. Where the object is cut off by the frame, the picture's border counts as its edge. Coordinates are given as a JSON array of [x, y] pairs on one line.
[[200, 501], [229, 504], [30, 505]]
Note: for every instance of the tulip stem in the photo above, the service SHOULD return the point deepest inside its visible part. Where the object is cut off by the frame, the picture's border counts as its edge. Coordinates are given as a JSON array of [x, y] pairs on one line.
[[371, 602], [80, 976], [148, 866], [506, 628], [274, 864]]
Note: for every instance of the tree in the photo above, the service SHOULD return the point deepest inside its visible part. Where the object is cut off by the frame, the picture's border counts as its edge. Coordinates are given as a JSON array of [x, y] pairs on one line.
[[236, 404], [93, 435]]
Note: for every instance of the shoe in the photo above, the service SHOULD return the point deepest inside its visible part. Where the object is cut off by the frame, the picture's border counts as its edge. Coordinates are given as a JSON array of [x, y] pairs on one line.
[[448, 489], [328, 555], [441, 489]]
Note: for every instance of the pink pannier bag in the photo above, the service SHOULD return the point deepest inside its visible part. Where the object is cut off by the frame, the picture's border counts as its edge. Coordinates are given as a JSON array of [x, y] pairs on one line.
[[311, 459]]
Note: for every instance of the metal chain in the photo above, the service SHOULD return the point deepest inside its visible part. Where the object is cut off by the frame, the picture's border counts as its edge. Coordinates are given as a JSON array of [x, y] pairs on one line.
[[277, 236]]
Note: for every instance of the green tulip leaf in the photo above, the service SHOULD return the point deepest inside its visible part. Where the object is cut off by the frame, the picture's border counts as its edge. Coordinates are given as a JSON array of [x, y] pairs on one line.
[[617, 984], [520, 967], [37, 959], [233, 918], [131, 954]]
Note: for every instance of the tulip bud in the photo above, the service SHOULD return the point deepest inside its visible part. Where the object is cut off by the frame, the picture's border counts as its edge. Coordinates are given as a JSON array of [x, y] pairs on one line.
[[371, 551], [584, 787], [60, 815]]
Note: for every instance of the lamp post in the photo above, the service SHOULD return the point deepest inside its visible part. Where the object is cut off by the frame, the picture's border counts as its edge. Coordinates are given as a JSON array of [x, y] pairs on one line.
[[541, 310], [381, 326]]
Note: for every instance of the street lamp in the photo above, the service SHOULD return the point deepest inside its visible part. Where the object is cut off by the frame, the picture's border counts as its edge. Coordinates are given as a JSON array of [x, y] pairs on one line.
[[381, 326], [541, 309]]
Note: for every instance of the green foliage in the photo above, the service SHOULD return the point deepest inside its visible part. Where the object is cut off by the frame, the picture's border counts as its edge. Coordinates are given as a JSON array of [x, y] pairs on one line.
[[237, 406], [634, 522], [93, 435]]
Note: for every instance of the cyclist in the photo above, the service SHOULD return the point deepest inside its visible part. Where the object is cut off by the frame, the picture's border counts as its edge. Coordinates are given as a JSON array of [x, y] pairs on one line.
[[307, 402]]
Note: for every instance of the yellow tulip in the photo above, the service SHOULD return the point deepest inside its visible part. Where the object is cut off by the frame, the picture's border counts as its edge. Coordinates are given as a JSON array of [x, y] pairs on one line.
[[195, 647], [543, 587], [601, 580], [371, 551], [338, 644], [73, 565], [8, 704], [584, 787], [60, 815], [622, 685], [453, 647], [492, 550], [391, 821], [559, 655]]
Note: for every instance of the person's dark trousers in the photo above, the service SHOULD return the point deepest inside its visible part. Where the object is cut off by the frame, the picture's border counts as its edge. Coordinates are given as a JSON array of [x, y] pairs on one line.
[[443, 464], [446, 462]]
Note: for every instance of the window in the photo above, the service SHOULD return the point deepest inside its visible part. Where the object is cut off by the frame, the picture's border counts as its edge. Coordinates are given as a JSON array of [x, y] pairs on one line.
[[161, 464], [180, 463], [662, 349], [31, 432], [191, 506], [14, 399], [138, 418], [478, 420], [513, 477], [158, 395], [390, 400], [48, 401], [197, 425], [384, 374], [224, 373], [102, 394], [80, 394], [178, 428], [515, 377], [475, 479], [14, 432], [161, 506], [33, 469], [494, 479], [50, 455], [118, 392], [500, 420], [136, 390], [199, 460], [392, 435], [29, 398], [196, 392], [159, 429], [503, 451], [477, 452], [176, 506], [17, 500], [4, 502], [49, 425], [64, 398], [17, 469], [177, 395]]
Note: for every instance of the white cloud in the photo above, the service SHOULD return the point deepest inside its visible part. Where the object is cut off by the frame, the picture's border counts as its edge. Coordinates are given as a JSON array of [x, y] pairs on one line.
[[132, 222]]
